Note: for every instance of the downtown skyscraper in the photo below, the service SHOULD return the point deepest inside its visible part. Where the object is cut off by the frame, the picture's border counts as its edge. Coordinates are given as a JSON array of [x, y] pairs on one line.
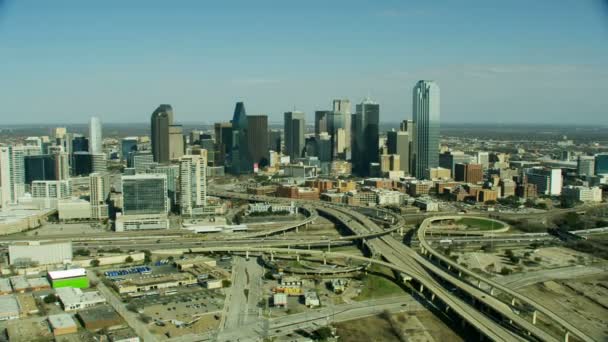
[[365, 135], [294, 129], [240, 160], [426, 112], [161, 120], [95, 136]]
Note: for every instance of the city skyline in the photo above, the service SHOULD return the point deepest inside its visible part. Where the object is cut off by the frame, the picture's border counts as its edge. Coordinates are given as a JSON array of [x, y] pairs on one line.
[[539, 70]]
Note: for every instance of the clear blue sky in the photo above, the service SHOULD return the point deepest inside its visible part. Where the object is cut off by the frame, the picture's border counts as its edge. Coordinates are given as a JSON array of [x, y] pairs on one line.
[[495, 61]]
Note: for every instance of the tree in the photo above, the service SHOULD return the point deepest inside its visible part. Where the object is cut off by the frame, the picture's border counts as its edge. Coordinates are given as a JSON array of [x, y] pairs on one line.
[[94, 263], [226, 283], [129, 259], [505, 271], [50, 298]]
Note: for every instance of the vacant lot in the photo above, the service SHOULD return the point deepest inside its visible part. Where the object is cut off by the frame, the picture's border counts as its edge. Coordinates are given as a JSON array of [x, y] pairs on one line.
[[480, 224]]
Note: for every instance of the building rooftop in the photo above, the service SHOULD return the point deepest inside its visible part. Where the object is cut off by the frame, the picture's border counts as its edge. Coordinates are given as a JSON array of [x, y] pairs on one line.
[[61, 321], [100, 313], [71, 296], [75, 272], [9, 306], [5, 285]]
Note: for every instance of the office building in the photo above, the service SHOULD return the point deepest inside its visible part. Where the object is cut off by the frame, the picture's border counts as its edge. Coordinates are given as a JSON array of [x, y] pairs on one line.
[[601, 164], [82, 164], [144, 194], [140, 160], [548, 181], [176, 142], [95, 136], [585, 165], [128, 145], [99, 190], [240, 160], [343, 109], [449, 159], [172, 173], [399, 143], [193, 183], [294, 129], [40, 167], [470, 173], [483, 158], [80, 144], [365, 135], [223, 141], [161, 120], [257, 139], [275, 140], [322, 121], [583, 193], [48, 193], [426, 113]]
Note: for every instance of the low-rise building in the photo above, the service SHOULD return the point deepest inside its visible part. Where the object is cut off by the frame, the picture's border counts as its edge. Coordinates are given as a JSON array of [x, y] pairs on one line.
[[9, 308], [62, 324], [583, 193], [27, 304], [101, 317], [40, 254], [339, 285], [73, 299], [74, 209], [5, 286], [153, 282], [426, 204], [123, 335], [76, 277], [279, 299], [311, 299]]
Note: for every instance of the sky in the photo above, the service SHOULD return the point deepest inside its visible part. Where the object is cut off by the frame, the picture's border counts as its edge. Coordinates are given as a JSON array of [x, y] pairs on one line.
[[517, 61]]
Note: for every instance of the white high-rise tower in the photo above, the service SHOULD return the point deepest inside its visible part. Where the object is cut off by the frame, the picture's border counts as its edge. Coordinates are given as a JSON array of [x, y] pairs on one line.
[[95, 137], [193, 183]]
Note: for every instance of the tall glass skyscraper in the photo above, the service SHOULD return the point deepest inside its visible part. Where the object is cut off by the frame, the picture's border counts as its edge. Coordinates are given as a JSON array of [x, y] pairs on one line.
[[160, 121], [365, 135], [294, 129], [426, 120], [240, 160], [95, 137]]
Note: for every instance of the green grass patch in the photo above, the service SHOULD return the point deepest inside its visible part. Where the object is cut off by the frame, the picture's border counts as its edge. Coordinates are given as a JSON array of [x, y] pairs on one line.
[[480, 224], [379, 284]]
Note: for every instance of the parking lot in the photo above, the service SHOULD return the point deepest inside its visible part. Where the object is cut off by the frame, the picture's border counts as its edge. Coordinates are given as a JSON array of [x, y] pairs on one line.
[[184, 306]]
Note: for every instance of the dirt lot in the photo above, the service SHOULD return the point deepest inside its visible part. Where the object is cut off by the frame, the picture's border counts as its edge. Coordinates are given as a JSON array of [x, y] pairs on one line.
[[420, 326], [581, 301]]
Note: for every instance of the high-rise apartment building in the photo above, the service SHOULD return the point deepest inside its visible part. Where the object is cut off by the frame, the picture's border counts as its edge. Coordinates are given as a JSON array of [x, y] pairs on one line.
[[365, 135], [257, 139], [161, 120], [95, 136], [193, 183], [426, 111], [99, 190], [294, 129], [12, 174]]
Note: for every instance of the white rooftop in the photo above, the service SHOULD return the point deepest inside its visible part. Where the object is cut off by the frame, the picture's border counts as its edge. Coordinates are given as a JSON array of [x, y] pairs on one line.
[[75, 272], [61, 321]]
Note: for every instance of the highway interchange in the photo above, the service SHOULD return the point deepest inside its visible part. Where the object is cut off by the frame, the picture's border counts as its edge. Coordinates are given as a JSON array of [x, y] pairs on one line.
[[445, 284]]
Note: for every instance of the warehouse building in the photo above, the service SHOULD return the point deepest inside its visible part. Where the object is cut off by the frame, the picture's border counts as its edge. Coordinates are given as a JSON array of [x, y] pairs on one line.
[[146, 283], [76, 277], [101, 317], [73, 299], [40, 254], [9, 308], [5, 286], [62, 324], [28, 330], [27, 304]]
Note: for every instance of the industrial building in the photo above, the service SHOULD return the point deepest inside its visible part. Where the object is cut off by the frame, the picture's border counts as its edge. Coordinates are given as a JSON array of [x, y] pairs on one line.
[[40, 254], [9, 308], [22, 284], [73, 299], [76, 278], [5, 286], [311, 299], [279, 299], [101, 317], [148, 283], [62, 324]]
